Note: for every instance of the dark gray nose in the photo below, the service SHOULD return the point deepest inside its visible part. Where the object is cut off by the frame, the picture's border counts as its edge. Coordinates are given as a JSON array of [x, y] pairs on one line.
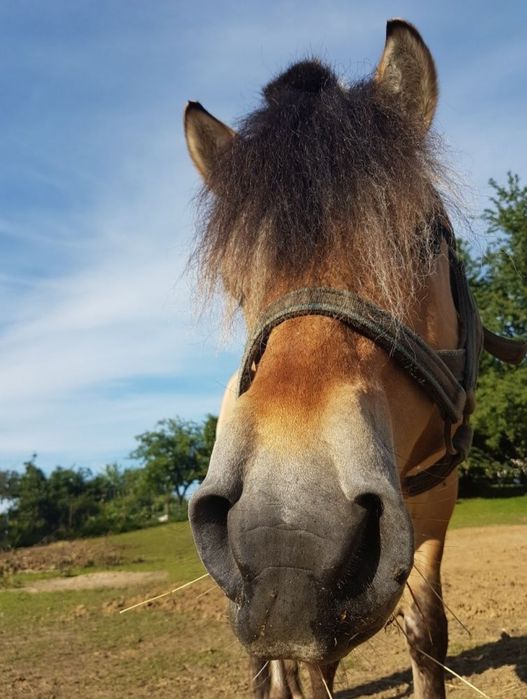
[[337, 543], [329, 543]]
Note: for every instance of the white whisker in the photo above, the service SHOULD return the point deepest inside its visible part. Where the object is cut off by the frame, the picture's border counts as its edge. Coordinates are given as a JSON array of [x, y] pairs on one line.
[[325, 683], [453, 672], [202, 594], [164, 594], [261, 670], [440, 598], [418, 606]]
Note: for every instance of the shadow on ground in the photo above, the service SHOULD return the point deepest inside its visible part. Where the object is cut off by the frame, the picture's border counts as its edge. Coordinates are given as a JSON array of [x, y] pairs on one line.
[[508, 650]]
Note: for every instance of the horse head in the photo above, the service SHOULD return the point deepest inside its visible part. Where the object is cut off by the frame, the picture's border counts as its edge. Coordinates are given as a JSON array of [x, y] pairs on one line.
[[301, 519]]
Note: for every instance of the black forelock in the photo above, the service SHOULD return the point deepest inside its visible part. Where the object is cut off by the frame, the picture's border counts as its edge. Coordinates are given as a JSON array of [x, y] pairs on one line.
[[305, 76], [318, 168]]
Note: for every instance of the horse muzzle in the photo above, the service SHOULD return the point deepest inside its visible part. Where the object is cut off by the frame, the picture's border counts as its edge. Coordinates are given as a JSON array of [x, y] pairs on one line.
[[310, 571]]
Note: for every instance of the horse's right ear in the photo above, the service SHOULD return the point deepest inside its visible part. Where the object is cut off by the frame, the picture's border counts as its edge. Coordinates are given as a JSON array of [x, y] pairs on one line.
[[407, 71], [206, 137]]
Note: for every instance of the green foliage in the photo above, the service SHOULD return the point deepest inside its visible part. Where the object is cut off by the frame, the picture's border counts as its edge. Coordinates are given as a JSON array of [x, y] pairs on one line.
[[9, 484], [209, 433], [27, 522], [71, 502], [499, 282], [503, 286], [174, 456]]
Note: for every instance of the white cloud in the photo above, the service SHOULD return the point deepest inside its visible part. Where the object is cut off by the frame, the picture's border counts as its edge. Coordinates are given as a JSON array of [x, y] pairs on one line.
[[120, 313]]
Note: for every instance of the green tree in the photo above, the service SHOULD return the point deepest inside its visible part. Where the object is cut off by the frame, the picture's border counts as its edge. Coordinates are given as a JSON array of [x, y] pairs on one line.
[[72, 500], [28, 519], [209, 437], [125, 501], [9, 485], [110, 484], [9, 488], [499, 282], [174, 456]]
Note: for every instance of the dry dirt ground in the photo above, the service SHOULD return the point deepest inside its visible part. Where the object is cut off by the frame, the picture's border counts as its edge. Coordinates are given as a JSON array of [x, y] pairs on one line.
[[61, 556], [182, 646], [96, 581]]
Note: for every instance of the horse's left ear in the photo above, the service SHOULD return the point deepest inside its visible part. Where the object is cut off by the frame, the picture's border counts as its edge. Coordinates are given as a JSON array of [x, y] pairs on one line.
[[407, 70], [206, 137]]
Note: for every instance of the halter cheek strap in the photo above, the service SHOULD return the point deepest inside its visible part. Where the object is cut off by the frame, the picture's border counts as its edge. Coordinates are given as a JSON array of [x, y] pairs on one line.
[[448, 377]]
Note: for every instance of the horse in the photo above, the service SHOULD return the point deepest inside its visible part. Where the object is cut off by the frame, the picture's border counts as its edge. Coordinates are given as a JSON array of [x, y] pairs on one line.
[[333, 477]]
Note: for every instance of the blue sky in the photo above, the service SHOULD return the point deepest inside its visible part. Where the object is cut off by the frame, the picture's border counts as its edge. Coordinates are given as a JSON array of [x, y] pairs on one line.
[[99, 331]]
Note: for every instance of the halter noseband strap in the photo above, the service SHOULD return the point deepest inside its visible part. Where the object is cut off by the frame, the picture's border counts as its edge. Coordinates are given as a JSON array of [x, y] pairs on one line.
[[447, 376], [430, 369]]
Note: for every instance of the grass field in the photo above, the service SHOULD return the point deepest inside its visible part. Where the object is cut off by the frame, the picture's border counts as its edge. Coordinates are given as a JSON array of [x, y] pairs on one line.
[[76, 642], [481, 512], [170, 548]]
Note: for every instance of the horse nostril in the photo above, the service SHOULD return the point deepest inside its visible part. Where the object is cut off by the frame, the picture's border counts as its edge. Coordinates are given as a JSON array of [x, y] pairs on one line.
[[364, 550], [401, 575], [212, 510], [208, 516], [371, 502]]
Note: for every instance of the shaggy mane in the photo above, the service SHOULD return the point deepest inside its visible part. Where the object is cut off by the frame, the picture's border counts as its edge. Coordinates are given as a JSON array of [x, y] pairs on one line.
[[324, 183]]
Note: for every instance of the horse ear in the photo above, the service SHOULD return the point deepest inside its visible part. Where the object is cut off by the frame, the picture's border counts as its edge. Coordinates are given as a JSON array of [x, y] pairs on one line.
[[206, 137], [407, 70]]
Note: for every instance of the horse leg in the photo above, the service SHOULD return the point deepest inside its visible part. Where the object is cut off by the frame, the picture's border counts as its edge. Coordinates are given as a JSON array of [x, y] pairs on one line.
[[425, 626], [293, 679], [276, 679], [320, 687], [424, 615]]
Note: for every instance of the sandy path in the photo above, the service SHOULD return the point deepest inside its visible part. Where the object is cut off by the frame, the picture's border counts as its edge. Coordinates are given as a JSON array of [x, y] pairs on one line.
[[95, 581]]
